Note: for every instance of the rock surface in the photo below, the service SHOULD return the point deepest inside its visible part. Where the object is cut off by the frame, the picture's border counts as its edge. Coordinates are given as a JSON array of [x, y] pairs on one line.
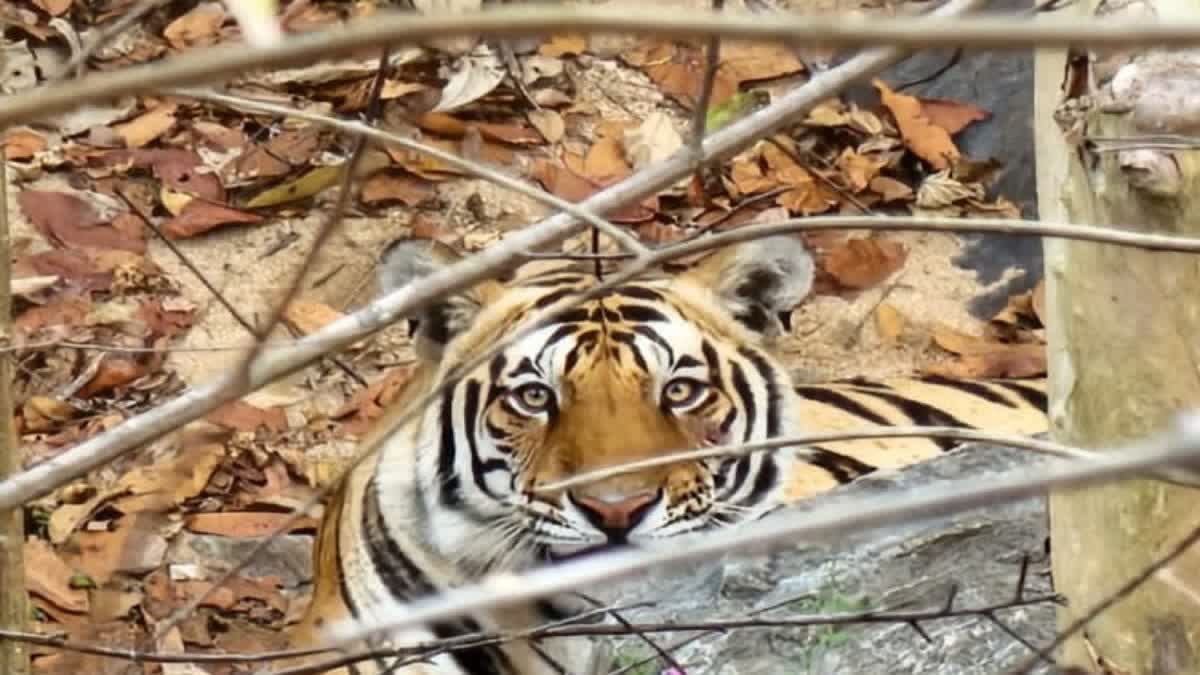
[[912, 567]]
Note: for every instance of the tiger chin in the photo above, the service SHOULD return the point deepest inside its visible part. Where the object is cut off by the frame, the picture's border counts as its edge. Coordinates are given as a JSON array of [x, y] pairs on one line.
[[666, 362]]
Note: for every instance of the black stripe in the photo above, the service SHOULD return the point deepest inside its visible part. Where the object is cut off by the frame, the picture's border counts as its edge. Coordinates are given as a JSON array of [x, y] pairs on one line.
[[1031, 396], [403, 579], [842, 402], [747, 395], [968, 387], [641, 314], [860, 381], [495, 369], [628, 340], [639, 292], [843, 468], [475, 660], [552, 279], [685, 360], [583, 344], [573, 315], [741, 469], [560, 334], [450, 490], [651, 334], [525, 367], [713, 361], [774, 401], [552, 297], [766, 479], [471, 413], [925, 415]]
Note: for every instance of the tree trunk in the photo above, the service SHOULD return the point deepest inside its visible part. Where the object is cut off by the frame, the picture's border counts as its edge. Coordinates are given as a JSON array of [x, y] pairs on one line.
[[1124, 339], [14, 657]]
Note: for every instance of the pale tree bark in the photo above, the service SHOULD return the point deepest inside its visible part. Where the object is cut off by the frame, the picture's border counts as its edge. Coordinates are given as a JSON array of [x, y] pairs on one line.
[[14, 656], [1124, 335]]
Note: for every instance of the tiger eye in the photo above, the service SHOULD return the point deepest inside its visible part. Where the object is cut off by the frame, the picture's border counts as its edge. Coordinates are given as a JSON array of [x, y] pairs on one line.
[[534, 397], [682, 391]]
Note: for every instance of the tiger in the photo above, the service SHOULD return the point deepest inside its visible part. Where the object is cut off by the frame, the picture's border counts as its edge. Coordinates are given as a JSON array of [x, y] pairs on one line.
[[674, 359]]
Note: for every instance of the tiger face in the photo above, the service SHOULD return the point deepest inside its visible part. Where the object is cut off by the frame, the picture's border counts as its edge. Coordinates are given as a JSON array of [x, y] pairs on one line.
[[658, 365]]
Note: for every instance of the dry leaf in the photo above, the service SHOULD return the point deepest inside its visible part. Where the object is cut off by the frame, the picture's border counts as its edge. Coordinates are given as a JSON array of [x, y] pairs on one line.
[[1006, 360], [387, 187], [861, 263], [953, 116], [199, 216], [927, 140], [22, 144], [889, 322], [477, 75], [134, 546], [54, 7], [564, 44], [309, 316], [653, 140], [242, 416], [73, 222], [858, 170], [549, 124], [199, 27], [49, 577], [368, 404], [42, 413], [148, 126], [605, 162], [890, 189], [573, 187], [306, 185], [940, 190], [114, 371], [245, 523]]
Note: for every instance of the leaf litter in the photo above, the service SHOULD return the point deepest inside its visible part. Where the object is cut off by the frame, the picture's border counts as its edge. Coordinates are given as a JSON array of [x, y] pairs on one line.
[[242, 195]]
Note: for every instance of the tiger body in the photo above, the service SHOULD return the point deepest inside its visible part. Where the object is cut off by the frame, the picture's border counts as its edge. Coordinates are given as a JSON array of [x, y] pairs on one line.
[[660, 364]]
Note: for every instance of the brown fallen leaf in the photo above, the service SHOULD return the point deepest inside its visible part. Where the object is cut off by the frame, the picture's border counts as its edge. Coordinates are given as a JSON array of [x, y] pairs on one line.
[[164, 318], [452, 127], [63, 311], [49, 577], [861, 263], [42, 413], [858, 170], [1005, 360], [890, 189], [22, 143], [54, 7], [148, 126], [114, 371], [199, 27], [564, 44], [72, 222], [309, 316], [243, 416], [927, 140], [573, 187], [368, 404], [245, 523], [807, 195], [889, 322], [200, 215], [953, 116], [387, 187]]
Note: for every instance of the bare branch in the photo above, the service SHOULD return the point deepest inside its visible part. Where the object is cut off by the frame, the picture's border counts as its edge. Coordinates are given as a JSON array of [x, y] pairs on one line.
[[200, 66], [204, 398], [1180, 446], [1175, 476]]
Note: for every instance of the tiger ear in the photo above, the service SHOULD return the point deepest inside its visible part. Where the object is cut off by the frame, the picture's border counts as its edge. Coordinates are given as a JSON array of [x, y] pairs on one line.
[[759, 281], [406, 260]]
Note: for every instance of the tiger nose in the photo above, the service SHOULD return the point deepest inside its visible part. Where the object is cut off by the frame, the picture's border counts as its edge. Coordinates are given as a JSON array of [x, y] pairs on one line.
[[615, 515]]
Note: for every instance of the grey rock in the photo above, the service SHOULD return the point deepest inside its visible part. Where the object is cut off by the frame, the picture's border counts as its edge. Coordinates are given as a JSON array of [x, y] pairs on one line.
[[975, 555], [288, 557]]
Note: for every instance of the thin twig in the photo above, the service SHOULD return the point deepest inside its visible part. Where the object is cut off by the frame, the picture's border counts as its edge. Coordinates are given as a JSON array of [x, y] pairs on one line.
[[78, 62], [1176, 477], [201, 66], [1178, 447], [712, 61], [201, 400], [623, 238], [1119, 594], [329, 225]]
